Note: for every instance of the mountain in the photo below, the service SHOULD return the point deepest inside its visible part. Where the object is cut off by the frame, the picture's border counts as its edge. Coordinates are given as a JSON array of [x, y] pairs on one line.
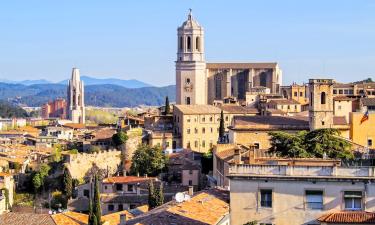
[[25, 82], [104, 95], [125, 83], [132, 83]]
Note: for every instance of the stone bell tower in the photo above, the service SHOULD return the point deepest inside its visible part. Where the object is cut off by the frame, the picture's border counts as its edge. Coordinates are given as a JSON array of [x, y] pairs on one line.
[[321, 103], [76, 104], [191, 79]]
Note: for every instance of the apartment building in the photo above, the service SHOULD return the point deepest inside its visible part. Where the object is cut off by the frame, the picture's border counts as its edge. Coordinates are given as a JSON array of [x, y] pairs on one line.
[[298, 194]]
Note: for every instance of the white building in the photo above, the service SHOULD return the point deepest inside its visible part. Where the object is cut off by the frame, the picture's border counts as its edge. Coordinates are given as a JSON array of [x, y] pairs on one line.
[[76, 100]]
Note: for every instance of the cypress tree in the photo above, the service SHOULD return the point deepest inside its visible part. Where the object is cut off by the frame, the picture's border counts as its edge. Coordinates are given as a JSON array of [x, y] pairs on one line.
[[222, 127], [97, 211], [151, 195], [159, 196], [167, 107], [91, 214], [68, 183]]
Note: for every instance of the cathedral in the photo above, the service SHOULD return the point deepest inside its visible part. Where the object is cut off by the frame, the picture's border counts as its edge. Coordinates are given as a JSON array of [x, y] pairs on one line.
[[76, 104], [199, 82]]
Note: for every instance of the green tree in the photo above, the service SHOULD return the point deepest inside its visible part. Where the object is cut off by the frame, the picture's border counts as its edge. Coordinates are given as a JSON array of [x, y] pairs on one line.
[[119, 138], [67, 183], [151, 195], [91, 213], [148, 160], [159, 195], [167, 109], [44, 170], [221, 127], [37, 182], [97, 209], [56, 156], [317, 143]]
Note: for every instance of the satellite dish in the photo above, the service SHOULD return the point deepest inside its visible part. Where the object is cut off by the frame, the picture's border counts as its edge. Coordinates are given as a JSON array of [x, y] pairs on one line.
[[179, 197], [187, 197]]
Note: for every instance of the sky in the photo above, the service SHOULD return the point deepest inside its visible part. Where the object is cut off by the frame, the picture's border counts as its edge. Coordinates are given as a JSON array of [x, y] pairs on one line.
[[137, 39]]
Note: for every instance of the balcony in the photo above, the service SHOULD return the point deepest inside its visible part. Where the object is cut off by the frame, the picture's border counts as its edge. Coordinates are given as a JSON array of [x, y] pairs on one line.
[[243, 170]]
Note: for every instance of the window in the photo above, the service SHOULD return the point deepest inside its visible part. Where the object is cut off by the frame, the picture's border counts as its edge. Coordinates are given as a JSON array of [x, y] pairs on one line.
[[188, 144], [353, 200], [340, 92], [301, 93], [256, 145], [188, 80], [351, 91], [203, 119], [196, 144], [295, 94], [188, 131], [190, 172], [188, 43], [181, 42], [369, 142], [323, 98], [198, 43], [190, 182], [118, 187], [339, 107], [187, 100], [288, 106], [266, 198], [86, 193], [105, 187], [111, 207], [203, 130], [212, 130], [196, 130], [203, 144], [226, 118], [322, 123], [120, 207], [314, 200], [130, 187], [211, 144], [334, 91]]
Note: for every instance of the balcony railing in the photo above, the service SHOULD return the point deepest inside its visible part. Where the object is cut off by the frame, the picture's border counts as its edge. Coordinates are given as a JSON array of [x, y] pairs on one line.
[[300, 171]]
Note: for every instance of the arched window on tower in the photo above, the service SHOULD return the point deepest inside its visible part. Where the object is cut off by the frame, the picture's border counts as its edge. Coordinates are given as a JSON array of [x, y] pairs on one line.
[[181, 41], [187, 100], [323, 98], [189, 43], [198, 44]]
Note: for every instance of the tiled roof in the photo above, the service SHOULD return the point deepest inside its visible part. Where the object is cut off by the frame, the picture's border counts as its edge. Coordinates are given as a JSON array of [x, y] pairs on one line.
[[339, 120], [349, 217], [198, 109], [127, 179], [225, 153], [343, 98], [284, 102], [237, 109], [241, 65], [75, 125], [25, 219], [114, 218], [206, 207], [276, 112], [70, 218], [266, 122], [368, 101]]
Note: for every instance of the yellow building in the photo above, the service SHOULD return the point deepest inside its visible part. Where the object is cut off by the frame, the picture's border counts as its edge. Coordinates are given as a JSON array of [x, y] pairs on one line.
[[198, 125], [362, 133], [286, 105], [296, 92]]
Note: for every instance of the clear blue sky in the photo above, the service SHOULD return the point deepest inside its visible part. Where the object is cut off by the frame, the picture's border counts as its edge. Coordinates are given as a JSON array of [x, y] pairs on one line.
[[137, 39]]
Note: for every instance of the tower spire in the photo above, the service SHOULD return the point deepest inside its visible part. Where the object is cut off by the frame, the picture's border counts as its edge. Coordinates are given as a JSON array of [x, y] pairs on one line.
[[190, 16]]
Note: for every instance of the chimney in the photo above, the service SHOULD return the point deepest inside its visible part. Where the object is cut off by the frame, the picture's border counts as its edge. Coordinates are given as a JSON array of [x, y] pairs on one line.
[[237, 156], [123, 219], [191, 190]]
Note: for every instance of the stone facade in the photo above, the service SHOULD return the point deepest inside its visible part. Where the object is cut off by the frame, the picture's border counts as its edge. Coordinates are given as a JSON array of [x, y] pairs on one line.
[[321, 103], [198, 82], [79, 164], [76, 99]]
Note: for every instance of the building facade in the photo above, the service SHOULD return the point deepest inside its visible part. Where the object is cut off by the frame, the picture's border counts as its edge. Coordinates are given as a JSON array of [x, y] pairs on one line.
[[198, 82], [54, 109], [76, 100]]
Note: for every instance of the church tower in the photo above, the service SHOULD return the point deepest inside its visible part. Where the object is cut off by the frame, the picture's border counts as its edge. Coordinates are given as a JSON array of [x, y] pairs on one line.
[[191, 82], [76, 104], [321, 103]]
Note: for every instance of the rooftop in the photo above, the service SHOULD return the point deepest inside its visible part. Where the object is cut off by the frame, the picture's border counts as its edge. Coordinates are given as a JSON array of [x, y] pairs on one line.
[[270, 122], [349, 217], [198, 109], [237, 109], [284, 102], [270, 65], [126, 179], [368, 101]]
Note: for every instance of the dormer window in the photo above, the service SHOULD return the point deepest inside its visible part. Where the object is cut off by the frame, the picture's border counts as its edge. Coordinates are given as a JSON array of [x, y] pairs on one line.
[[188, 80]]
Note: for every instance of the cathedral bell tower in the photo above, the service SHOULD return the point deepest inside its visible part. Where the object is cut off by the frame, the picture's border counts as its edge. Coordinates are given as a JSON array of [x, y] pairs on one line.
[[191, 79], [76, 102]]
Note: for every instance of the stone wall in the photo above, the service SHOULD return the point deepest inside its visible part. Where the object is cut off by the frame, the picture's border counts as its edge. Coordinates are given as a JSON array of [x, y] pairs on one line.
[[79, 164]]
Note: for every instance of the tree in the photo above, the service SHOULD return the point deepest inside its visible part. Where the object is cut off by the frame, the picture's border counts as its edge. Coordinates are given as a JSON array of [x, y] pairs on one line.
[[155, 195], [221, 127], [37, 182], [148, 160], [167, 109], [91, 213], [317, 143], [44, 170], [97, 211], [119, 138], [56, 156], [67, 183]]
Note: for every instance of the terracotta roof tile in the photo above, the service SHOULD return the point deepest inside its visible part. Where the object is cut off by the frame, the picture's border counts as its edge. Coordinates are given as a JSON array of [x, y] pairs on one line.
[[349, 217], [339, 120], [26, 218], [284, 102], [70, 218], [127, 179]]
